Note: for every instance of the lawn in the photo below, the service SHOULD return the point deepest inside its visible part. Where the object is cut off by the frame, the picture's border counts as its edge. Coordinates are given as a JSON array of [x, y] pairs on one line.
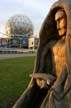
[[14, 78]]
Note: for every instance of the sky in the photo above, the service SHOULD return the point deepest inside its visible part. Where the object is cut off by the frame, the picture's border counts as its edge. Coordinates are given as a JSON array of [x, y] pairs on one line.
[[36, 10]]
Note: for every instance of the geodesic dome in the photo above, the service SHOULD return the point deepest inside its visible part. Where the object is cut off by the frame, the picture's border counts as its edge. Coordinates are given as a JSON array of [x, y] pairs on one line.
[[19, 25]]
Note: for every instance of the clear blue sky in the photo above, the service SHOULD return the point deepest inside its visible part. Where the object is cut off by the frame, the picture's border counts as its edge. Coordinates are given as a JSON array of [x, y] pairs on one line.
[[36, 10]]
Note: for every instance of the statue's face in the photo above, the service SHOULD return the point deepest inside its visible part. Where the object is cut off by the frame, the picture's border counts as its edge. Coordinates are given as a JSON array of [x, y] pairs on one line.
[[61, 21]]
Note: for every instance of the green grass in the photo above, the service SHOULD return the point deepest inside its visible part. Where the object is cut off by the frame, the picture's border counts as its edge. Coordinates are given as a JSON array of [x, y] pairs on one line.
[[14, 78]]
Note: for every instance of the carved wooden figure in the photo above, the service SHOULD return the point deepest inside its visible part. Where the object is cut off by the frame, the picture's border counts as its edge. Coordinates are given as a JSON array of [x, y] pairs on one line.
[[50, 85]]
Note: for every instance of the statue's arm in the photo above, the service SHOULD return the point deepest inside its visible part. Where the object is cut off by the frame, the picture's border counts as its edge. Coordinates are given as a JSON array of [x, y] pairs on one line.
[[43, 80]]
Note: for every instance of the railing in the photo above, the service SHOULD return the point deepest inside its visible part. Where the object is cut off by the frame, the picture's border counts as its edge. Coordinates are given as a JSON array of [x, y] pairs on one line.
[[16, 51]]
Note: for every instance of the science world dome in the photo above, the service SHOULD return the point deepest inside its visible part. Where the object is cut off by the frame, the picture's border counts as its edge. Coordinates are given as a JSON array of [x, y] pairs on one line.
[[19, 25]]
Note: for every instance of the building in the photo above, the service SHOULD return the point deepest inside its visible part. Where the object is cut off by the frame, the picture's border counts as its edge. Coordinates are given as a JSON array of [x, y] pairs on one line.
[[19, 29], [33, 42]]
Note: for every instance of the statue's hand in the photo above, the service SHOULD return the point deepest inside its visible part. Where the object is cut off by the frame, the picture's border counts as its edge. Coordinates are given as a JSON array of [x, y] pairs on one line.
[[43, 80], [42, 83]]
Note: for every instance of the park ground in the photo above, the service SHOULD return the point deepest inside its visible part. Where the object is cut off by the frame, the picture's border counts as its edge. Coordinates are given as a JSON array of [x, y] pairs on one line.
[[14, 78]]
